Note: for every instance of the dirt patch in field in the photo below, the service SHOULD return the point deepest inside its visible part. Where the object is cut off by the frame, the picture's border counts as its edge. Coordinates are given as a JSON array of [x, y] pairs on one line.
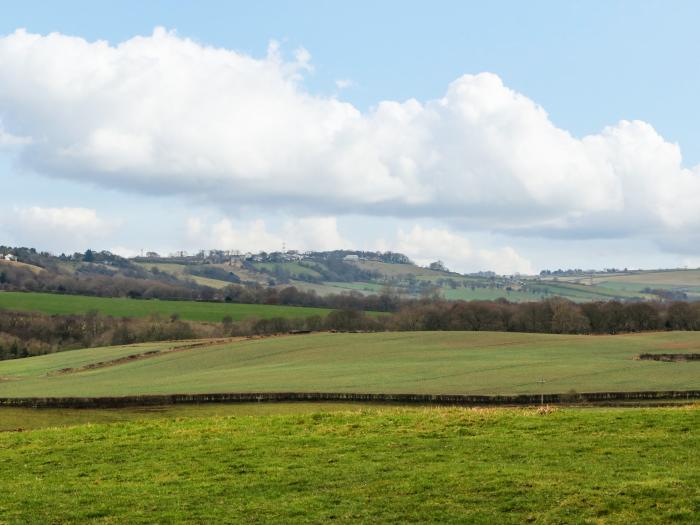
[[670, 358]]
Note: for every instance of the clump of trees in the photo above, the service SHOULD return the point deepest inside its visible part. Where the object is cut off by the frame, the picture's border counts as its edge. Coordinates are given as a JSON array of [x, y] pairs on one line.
[[24, 334], [554, 315]]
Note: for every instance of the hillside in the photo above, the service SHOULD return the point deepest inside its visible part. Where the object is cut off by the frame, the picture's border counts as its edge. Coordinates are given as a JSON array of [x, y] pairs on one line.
[[342, 272], [681, 281], [211, 276], [418, 362]]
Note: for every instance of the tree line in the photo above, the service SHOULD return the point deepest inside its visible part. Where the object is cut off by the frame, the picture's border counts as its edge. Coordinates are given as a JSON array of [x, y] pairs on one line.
[[555, 315]]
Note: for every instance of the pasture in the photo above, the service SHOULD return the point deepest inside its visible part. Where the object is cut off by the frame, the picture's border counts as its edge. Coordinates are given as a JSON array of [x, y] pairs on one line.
[[387, 465], [399, 362], [179, 271], [122, 307], [657, 278]]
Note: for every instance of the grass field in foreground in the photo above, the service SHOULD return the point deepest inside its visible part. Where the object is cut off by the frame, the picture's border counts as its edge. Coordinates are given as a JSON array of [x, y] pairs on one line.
[[20, 419], [631, 466], [409, 362], [120, 307]]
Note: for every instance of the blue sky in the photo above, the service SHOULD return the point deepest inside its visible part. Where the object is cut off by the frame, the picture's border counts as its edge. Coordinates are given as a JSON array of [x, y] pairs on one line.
[[589, 65]]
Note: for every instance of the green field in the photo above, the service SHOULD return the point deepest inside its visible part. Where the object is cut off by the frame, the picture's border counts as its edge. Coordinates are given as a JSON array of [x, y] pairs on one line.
[[293, 268], [21, 419], [656, 278], [178, 270], [121, 307], [611, 466], [404, 362]]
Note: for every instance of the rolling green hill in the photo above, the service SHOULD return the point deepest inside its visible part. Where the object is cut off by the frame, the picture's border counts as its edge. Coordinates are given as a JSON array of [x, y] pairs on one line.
[[122, 307], [407, 362]]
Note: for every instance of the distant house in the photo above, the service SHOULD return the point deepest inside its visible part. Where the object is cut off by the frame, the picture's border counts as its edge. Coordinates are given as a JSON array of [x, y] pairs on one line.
[[10, 257], [351, 258]]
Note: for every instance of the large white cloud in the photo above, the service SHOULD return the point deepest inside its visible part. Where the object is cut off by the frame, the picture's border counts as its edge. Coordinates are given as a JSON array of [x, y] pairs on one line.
[[56, 229], [165, 114], [425, 245], [309, 233]]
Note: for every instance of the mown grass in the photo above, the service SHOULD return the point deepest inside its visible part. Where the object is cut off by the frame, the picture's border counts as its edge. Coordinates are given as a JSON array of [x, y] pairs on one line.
[[121, 307], [404, 362], [374, 466]]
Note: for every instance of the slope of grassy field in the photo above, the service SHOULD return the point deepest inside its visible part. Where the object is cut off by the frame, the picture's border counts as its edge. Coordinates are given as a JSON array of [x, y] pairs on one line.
[[633, 282], [612, 466], [584, 292], [16, 264], [292, 268], [394, 270], [120, 307], [656, 278], [406, 362], [179, 271]]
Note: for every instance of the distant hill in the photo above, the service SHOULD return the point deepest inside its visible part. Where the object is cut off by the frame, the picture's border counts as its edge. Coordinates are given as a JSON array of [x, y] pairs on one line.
[[345, 271], [208, 276]]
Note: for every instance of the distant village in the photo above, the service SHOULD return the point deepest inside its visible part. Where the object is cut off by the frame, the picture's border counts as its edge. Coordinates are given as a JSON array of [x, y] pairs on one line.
[[235, 256]]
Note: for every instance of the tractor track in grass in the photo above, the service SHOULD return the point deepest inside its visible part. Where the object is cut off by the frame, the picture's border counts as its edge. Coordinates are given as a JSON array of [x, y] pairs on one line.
[[144, 355], [159, 353]]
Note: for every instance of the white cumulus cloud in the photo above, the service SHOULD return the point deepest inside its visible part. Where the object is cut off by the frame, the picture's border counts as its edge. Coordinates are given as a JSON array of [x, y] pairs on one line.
[[308, 233], [425, 245], [165, 114], [55, 229]]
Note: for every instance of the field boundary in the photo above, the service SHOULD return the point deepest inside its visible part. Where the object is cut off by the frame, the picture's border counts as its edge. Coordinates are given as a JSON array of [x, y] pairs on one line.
[[434, 399], [669, 357]]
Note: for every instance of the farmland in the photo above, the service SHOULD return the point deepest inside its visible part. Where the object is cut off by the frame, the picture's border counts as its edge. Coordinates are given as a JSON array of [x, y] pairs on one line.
[[178, 270], [217, 275], [633, 282], [122, 307], [405, 362], [385, 465], [412, 280]]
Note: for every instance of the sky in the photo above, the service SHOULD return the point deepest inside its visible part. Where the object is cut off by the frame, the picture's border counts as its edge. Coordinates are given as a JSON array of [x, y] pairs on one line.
[[505, 136]]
